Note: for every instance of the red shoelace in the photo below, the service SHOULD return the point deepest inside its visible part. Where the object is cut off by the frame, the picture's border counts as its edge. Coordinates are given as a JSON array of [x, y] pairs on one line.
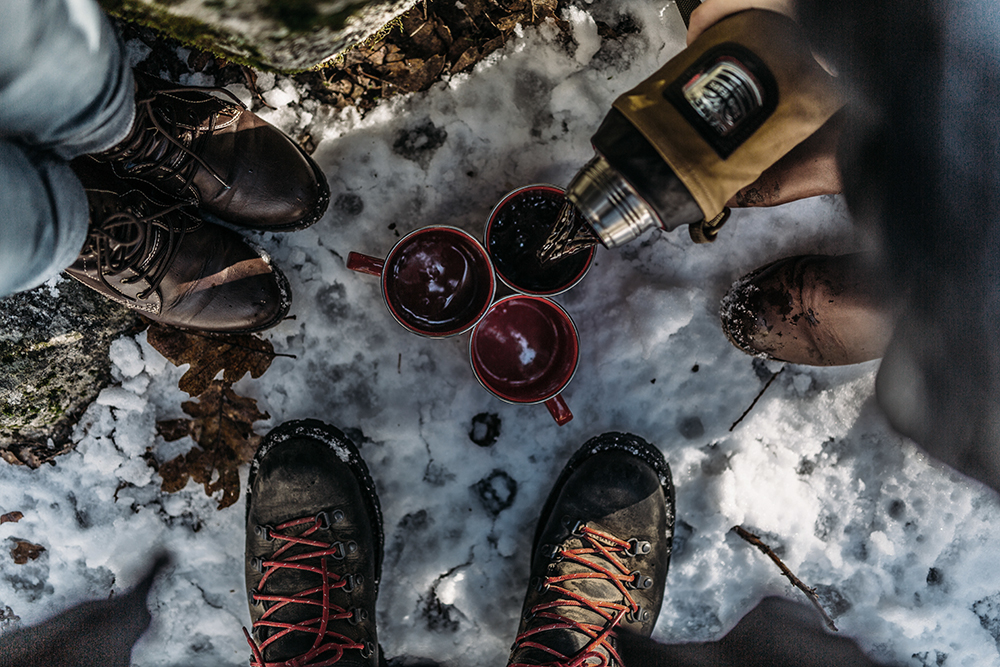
[[600, 553], [327, 641]]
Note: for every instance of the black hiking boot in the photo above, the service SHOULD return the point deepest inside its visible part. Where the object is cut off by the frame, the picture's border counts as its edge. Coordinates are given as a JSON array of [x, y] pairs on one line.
[[313, 550], [203, 147], [600, 555]]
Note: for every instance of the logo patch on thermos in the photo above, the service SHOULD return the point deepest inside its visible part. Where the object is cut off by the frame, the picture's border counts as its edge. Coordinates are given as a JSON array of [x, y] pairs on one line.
[[726, 95]]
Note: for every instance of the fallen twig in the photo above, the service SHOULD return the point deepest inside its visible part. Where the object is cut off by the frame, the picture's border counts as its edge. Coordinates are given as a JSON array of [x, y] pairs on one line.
[[251, 79], [810, 592], [759, 394]]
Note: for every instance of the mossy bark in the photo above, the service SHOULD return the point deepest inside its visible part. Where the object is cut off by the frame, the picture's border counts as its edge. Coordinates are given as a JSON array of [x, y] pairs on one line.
[[279, 35], [53, 362]]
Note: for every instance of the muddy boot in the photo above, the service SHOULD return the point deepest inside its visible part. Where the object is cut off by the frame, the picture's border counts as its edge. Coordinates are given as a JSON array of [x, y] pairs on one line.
[[600, 555], [172, 266], [811, 309], [203, 147], [313, 550]]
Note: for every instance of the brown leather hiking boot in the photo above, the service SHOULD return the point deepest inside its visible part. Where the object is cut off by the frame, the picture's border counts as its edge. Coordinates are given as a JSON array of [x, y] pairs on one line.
[[811, 309], [600, 555], [313, 550], [215, 153], [170, 265]]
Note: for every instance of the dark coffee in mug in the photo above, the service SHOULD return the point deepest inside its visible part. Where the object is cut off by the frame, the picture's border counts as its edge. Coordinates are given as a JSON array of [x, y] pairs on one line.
[[517, 228], [435, 282]]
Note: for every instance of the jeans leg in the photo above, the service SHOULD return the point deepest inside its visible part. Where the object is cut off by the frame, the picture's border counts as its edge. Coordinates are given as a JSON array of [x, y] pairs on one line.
[[43, 217], [65, 85]]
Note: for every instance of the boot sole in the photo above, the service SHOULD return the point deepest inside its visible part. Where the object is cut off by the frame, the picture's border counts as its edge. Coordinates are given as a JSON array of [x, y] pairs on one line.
[[611, 442], [346, 451]]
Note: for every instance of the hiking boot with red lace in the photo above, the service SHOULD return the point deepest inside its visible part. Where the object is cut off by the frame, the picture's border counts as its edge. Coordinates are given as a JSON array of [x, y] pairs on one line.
[[167, 263], [313, 550], [600, 555], [212, 152], [816, 310]]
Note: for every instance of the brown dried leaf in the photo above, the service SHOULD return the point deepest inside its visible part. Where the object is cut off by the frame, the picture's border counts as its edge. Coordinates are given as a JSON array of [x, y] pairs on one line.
[[469, 57], [545, 8], [235, 355], [174, 474], [492, 45], [444, 34], [24, 551], [342, 86], [11, 517], [393, 54], [508, 23], [376, 57], [173, 429], [222, 425], [414, 75]]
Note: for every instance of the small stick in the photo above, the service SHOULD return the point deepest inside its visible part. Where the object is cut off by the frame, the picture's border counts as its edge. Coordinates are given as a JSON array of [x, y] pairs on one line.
[[251, 79], [766, 550], [759, 394]]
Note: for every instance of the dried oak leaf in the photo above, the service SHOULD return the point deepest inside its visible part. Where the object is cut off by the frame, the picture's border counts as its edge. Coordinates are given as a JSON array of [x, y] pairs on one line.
[[414, 74], [12, 517], [234, 355], [24, 551], [222, 425]]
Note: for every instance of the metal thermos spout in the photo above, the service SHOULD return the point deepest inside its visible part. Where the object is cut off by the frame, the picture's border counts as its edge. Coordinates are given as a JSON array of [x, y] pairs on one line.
[[677, 147]]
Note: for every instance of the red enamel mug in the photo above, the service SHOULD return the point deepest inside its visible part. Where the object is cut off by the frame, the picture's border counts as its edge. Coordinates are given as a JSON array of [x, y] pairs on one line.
[[525, 350], [436, 281]]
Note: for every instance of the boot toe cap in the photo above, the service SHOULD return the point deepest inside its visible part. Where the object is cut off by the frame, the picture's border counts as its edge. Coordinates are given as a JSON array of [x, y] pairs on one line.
[[277, 186], [811, 309], [220, 283], [744, 319], [236, 305]]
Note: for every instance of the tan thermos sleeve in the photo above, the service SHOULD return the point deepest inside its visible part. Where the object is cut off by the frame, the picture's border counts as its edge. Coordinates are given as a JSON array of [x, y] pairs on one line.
[[796, 97]]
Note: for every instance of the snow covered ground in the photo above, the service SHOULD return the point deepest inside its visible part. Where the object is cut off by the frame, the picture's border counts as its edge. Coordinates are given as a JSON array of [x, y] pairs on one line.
[[902, 550]]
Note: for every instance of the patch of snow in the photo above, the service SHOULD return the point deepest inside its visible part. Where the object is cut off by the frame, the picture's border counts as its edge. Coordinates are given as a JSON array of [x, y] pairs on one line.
[[906, 545]]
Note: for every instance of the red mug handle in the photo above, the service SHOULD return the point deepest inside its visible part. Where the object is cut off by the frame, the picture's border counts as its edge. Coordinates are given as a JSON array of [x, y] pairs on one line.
[[559, 410], [365, 264]]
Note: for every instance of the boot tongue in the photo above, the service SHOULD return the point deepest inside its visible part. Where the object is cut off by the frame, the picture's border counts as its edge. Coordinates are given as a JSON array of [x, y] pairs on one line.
[[565, 606]]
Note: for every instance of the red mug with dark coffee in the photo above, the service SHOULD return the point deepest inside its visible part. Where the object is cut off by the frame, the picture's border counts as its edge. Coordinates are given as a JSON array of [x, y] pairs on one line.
[[525, 350], [436, 281], [517, 227]]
